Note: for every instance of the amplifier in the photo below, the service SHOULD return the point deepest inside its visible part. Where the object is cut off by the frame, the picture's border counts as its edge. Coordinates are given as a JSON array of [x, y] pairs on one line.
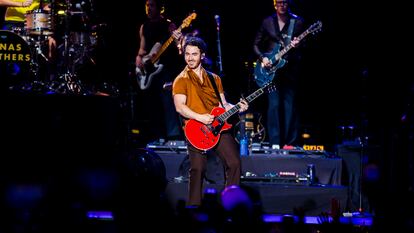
[[299, 180], [168, 146]]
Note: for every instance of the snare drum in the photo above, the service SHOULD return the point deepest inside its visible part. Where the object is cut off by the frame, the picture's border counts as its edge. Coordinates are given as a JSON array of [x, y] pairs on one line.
[[38, 22]]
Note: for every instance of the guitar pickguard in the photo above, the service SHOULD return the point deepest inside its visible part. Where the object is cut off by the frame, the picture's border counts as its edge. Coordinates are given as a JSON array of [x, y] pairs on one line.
[[265, 75], [145, 76]]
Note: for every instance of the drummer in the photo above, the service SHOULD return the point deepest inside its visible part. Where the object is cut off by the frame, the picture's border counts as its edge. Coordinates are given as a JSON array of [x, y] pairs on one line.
[[15, 16]]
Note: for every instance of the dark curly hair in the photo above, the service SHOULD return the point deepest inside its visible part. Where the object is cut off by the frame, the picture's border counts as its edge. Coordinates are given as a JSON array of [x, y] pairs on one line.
[[196, 41]]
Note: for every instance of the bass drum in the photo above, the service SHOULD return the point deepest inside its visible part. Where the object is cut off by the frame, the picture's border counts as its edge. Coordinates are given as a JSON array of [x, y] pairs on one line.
[[15, 59]]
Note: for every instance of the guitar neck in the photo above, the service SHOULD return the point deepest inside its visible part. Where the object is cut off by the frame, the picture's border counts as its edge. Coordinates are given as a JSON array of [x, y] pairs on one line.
[[164, 46], [167, 43], [162, 49], [223, 117], [290, 45]]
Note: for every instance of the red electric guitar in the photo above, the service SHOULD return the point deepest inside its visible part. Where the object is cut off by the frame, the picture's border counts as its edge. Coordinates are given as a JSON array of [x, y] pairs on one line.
[[204, 137]]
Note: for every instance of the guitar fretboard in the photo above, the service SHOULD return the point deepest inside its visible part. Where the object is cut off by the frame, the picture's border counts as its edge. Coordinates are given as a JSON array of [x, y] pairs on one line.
[[223, 117], [185, 23], [163, 47], [290, 45], [315, 27]]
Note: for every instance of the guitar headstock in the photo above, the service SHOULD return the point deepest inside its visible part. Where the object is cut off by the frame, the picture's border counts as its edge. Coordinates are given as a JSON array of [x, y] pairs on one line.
[[187, 21], [316, 27]]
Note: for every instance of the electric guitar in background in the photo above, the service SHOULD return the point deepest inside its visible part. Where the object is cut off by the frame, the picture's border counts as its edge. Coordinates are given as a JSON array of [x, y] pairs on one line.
[[204, 137], [151, 67], [262, 74]]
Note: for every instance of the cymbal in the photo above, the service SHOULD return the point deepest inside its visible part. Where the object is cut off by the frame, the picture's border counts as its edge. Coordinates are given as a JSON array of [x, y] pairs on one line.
[[65, 13], [76, 12], [60, 4]]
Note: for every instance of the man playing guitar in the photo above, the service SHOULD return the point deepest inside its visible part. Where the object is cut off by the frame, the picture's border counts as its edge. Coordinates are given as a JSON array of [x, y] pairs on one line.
[[152, 33], [194, 98]]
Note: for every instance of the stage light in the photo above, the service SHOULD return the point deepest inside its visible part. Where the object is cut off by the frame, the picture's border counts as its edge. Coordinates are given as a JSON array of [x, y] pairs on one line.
[[234, 196], [306, 135]]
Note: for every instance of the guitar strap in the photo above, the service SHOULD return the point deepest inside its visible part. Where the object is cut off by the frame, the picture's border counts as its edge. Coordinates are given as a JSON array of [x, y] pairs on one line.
[[288, 38], [290, 31], [213, 83]]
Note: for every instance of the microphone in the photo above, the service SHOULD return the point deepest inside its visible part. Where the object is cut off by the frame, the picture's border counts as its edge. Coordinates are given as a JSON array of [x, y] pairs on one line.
[[217, 17]]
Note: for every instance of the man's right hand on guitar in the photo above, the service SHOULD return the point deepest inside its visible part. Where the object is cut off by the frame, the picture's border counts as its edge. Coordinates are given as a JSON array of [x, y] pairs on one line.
[[205, 118], [266, 62], [177, 34]]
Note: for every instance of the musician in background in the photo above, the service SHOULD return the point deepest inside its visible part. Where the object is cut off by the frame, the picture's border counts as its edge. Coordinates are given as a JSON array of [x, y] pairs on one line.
[[15, 17], [15, 13], [281, 28], [152, 34], [194, 98]]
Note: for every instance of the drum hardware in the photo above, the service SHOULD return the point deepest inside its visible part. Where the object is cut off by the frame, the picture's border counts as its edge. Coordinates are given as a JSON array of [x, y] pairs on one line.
[[68, 82], [39, 63], [78, 41], [39, 51], [18, 30], [71, 85]]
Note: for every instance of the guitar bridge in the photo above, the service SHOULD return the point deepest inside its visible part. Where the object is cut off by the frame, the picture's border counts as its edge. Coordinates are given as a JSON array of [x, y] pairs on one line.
[[206, 129], [216, 130]]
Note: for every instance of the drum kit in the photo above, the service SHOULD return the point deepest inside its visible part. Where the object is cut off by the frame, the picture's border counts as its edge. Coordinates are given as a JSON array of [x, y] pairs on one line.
[[32, 65]]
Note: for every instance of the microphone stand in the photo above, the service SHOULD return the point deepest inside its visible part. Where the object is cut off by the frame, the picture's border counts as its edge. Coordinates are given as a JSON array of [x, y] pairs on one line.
[[363, 144], [219, 62]]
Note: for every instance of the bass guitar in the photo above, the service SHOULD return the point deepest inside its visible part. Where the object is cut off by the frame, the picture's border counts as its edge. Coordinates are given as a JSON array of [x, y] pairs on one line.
[[262, 74], [152, 67], [204, 137]]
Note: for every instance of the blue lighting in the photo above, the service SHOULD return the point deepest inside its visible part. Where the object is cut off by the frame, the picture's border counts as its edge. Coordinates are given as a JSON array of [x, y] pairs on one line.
[[313, 220], [362, 221], [272, 218], [210, 191], [24, 195], [100, 215], [355, 220], [201, 217]]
